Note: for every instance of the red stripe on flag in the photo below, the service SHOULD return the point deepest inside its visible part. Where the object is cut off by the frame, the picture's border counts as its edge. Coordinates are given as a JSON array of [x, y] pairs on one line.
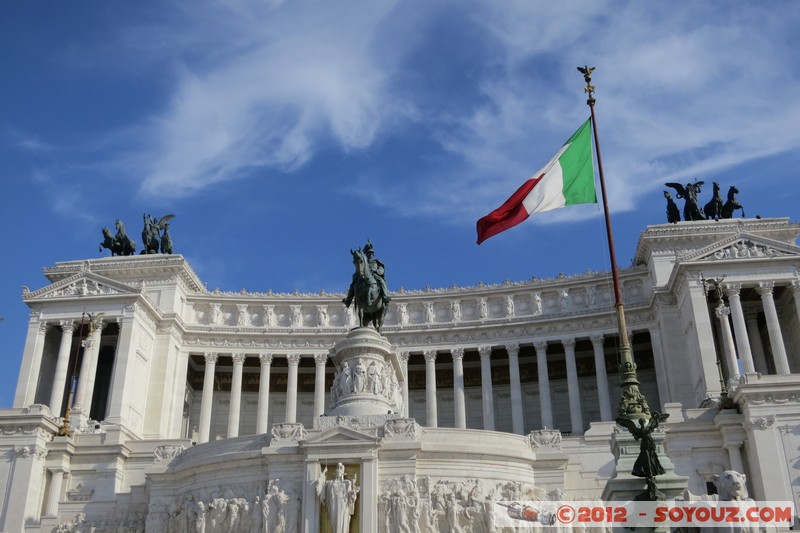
[[508, 215]]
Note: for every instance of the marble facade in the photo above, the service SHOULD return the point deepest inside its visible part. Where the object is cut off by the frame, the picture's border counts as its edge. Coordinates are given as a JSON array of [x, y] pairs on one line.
[[195, 405]]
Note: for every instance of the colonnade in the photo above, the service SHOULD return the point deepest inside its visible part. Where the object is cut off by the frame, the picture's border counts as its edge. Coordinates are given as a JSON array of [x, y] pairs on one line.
[[456, 354], [738, 322], [262, 413], [744, 340]]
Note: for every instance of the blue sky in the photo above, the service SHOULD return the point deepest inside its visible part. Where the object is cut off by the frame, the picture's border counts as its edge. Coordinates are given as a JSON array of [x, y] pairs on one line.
[[282, 134]]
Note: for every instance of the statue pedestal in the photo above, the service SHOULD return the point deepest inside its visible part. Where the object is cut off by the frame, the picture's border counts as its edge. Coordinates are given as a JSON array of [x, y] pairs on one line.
[[366, 379], [623, 486]]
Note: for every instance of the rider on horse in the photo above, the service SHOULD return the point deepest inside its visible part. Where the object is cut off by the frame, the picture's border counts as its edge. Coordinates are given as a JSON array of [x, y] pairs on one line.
[[378, 270]]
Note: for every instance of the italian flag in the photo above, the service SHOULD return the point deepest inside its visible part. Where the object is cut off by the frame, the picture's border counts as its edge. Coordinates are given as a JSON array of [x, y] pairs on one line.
[[567, 179]]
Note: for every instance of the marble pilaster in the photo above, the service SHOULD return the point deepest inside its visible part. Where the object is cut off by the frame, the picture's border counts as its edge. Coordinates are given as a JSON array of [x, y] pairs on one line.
[[517, 422], [208, 397], [545, 403], [764, 290], [291, 388], [236, 395], [459, 404], [62, 367], [262, 412], [486, 387], [430, 388]]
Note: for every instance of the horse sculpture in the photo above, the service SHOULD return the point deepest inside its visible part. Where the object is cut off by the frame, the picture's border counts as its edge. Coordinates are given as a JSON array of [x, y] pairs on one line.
[[732, 204], [369, 303], [120, 244], [673, 214], [713, 209]]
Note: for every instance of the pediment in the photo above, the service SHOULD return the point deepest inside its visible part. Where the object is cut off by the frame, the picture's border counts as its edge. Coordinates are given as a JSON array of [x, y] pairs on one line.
[[341, 435], [81, 284], [742, 246]]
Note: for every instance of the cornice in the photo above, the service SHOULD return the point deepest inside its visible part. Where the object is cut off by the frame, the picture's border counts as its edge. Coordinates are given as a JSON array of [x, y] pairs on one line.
[[131, 268], [706, 232]]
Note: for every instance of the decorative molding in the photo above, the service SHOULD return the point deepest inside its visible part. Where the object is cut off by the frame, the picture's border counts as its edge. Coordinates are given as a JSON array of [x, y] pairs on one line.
[[287, 433], [166, 453], [760, 423], [545, 438]]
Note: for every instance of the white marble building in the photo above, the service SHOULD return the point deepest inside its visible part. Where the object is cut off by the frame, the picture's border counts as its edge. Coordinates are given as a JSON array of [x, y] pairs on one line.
[[196, 406]]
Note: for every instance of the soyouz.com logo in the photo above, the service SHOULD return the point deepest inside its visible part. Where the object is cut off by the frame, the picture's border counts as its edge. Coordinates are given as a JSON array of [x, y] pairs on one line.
[[524, 514]]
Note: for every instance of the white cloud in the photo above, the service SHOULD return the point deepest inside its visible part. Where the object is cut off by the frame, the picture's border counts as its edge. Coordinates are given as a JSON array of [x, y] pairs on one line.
[[683, 92], [300, 75]]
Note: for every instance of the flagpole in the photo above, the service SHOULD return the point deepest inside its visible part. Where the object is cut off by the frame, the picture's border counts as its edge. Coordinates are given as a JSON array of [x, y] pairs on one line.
[[632, 403]]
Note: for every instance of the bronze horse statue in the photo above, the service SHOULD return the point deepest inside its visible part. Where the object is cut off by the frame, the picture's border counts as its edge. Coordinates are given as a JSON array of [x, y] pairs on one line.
[[732, 204], [713, 209], [369, 303], [120, 244]]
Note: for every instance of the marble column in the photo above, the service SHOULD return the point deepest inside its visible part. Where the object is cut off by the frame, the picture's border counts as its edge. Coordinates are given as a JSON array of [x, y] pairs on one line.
[[262, 414], [603, 396], [756, 342], [236, 395], [319, 383], [487, 394], [291, 388], [573, 386], [430, 388], [208, 397], [54, 492], [62, 367], [27, 383], [733, 291], [773, 327], [517, 423], [545, 405], [404, 355], [459, 403], [85, 392], [728, 348], [662, 376]]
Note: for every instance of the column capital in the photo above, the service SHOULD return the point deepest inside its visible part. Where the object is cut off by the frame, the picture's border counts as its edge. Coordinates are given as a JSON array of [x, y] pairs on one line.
[[597, 339], [320, 359], [796, 286], [512, 349], [238, 358], [266, 359], [540, 346], [765, 287], [457, 353], [404, 356], [732, 290], [293, 359], [485, 352], [569, 344], [722, 311], [42, 328], [67, 326], [430, 356], [211, 358]]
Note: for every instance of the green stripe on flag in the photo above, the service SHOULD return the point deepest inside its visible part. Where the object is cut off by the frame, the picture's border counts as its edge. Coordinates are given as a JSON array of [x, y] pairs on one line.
[[577, 168]]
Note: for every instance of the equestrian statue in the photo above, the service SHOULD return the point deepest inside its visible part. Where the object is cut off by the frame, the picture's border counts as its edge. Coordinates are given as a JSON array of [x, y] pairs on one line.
[[368, 288]]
